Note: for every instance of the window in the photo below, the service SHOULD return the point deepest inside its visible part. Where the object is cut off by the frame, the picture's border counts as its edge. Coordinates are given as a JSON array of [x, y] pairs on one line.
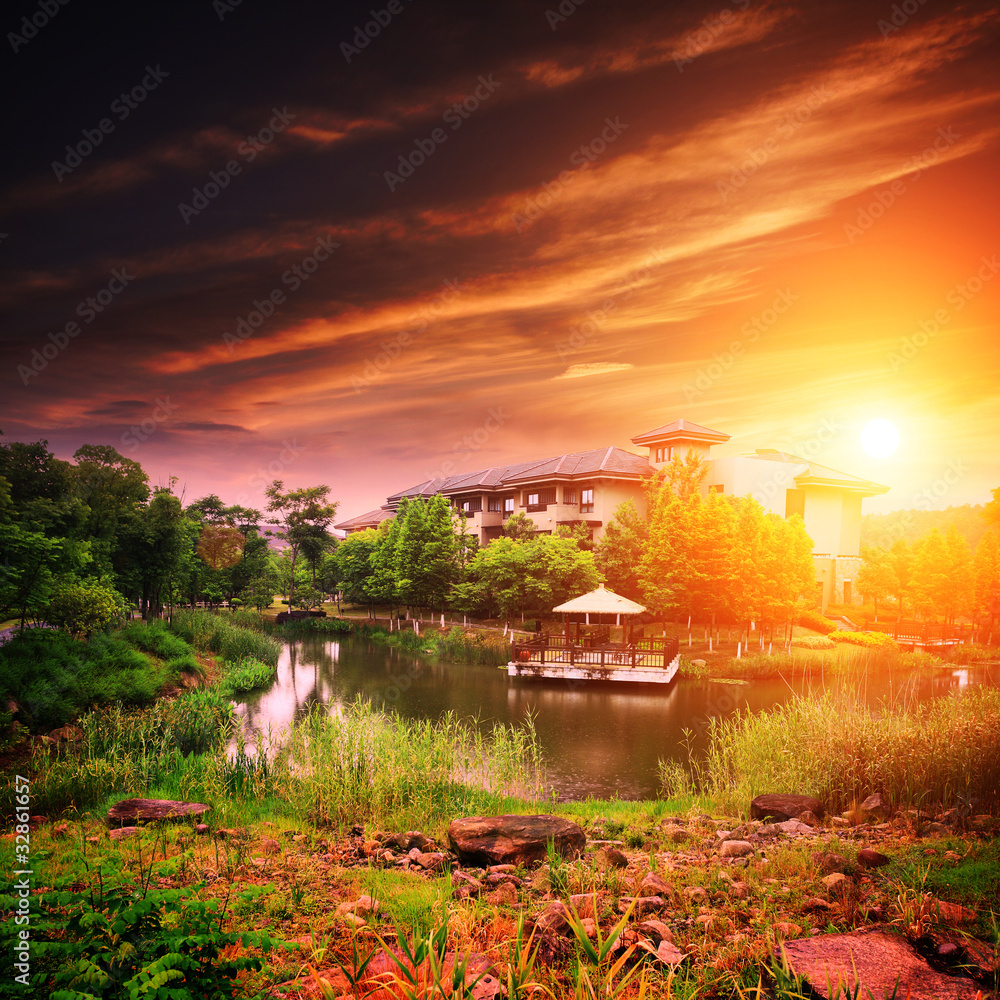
[[472, 506], [494, 505], [508, 504], [717, 488], [532, 499], [587, 501], [795, 503], [569, 496]]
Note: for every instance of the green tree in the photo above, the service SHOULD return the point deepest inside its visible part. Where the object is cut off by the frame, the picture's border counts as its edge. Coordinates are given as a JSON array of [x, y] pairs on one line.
[[620, 551], [298, 514], [519, 527], [84, 607], [356, 569], [901, 560], [877, 578], [987, 576]]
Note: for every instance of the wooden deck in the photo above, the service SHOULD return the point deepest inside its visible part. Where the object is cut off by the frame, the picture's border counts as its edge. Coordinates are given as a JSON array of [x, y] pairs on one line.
[[924, 634], [644, 661]]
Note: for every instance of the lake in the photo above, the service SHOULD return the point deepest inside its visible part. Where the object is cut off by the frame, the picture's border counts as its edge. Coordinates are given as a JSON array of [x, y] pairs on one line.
[[596, 740]]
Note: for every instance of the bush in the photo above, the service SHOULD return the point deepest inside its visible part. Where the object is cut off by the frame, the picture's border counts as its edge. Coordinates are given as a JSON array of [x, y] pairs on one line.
[[246, 675], [817, 622], [217, 633], [82, 608], [870, 640], [813, 642], [154, 637]]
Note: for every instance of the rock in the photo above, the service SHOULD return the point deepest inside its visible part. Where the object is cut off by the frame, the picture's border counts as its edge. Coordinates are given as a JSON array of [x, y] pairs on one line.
[[121, 832], [430, 861], [808, 817], [786, 930], [504, 895], [69, 734], [794, 828], [366, 905], [699, 663], [202, 828], [669, 954], [354, 920], [502, 869], [735, 849], [945, 912], [934, 830], [873, 808], [829, 862], [611, 857], [60, 829], [584, 904], [739, 890], [656, 930], [486, 840], [782, 807], [696, 894], [460, 879], [135, 810], [644, 905], [837, 883], [867, 858], [869, 964], [270, 846], [653, 885], [816, 905], [675, 834], [554, 919]]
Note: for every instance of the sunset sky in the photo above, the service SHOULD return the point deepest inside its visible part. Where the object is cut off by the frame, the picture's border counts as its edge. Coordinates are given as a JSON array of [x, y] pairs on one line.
[[499, 232]]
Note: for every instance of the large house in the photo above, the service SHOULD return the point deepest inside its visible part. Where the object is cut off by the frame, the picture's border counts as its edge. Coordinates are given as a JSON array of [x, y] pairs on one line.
[[585, 487]]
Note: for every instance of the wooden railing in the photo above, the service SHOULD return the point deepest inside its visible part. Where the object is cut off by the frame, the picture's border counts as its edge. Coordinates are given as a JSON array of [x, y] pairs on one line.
[[924, 633], [654, 652]]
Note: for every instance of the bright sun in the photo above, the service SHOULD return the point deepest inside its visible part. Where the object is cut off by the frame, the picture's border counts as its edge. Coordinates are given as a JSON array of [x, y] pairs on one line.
[[879, 438]]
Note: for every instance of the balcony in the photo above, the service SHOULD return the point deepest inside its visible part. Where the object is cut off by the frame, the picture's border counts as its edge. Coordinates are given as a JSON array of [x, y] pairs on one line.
[[534, 508]]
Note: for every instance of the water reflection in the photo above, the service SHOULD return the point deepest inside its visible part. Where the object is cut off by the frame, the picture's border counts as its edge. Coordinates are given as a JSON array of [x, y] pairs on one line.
[[595, 740]]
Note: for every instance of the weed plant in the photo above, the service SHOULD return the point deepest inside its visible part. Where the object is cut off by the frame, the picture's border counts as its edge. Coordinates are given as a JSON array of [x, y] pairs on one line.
[[246, 674], [218, 634], [154, 637]]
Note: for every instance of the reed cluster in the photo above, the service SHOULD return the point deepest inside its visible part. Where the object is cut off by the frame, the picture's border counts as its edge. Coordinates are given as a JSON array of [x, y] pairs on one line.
[[221, 634]]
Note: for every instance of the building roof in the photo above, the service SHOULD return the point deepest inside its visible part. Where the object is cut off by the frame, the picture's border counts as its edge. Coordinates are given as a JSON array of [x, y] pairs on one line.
[[613, 462], [601, 602], [813, 474], [369, 520], [680, 430]]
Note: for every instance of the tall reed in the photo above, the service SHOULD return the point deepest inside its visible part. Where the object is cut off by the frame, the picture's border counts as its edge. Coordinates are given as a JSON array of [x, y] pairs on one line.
[[218, 634]]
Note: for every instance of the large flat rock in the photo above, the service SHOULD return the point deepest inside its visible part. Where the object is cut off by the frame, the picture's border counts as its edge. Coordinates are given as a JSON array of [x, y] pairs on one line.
[[783, 807], [499, 840], [128, 812], [869, 964]]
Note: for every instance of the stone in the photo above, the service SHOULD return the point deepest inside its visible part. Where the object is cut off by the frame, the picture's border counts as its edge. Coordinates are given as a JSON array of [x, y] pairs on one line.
[[60, 830], [781, 807], [502, 869], [488, 840], [934, 830], [584, 904], [739, 890], [654, 885], [430, 861], [656, 930], [460, 879], [270, 846], [865, 963], [504, 895], [365, 905], [121, 832], [836, 882], [202, 828], [131, 811], [611, 857], [555, 919], [829, 862], [794, 828], [696, 894], [947, 913], [808, 817], [735, 849], [816, 905], [873, 808], [675, 834], [868, 858], [699, 663], [669, 954], [69, 734], [643, 905]]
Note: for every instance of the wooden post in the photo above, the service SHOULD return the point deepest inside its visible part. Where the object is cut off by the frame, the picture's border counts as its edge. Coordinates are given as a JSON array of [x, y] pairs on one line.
[[738, 646]]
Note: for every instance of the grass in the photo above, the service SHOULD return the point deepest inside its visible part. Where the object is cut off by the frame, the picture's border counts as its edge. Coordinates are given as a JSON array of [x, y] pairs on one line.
[[244, 675], [226, 635], [937, 754]]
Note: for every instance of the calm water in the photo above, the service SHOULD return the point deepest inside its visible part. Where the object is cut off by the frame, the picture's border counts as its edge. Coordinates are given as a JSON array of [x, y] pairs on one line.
[[595, 739]]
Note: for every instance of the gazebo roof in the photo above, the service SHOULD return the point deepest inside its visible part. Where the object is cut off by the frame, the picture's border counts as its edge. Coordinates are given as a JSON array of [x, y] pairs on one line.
[[602, 602]]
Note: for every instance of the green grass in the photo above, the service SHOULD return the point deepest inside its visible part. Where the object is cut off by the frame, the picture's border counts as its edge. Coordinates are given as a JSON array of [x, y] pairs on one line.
[[219, 634], [244, 675], [937, 754]]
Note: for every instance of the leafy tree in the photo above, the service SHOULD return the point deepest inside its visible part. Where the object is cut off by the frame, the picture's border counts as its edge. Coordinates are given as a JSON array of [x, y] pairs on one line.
[[876, 577], [519, 527], [992, 510], [942, 573], [298, 514], [355, 566], [987, 575], [618, 555], [220, 545], [84, 607], [901, 561]]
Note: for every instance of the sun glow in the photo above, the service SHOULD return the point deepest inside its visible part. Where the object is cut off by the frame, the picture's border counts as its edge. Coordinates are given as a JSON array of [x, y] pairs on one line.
[[879, 438]]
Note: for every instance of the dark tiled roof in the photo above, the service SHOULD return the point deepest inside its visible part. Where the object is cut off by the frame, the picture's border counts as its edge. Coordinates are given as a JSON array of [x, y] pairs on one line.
[[684, 430], [370, 519], [600, 461]]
